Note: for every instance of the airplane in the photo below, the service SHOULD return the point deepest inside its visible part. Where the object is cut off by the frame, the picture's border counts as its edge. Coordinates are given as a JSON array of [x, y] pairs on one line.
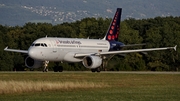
[[91, 52]]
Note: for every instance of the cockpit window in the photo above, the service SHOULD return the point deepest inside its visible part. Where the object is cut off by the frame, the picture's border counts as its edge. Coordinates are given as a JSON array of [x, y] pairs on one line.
[[39, 44], [45, 45], [42, 44], [32, 44]]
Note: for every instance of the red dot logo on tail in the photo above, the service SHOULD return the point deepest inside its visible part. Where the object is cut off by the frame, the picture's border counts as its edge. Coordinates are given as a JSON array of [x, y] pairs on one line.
[[113, 31], [109, 37]]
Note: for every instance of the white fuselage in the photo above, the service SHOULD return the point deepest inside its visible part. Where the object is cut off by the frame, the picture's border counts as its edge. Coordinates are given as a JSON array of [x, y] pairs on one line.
[[64, 49]]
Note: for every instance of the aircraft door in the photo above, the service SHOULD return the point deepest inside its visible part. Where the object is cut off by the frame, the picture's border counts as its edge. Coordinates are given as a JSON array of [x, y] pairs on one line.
[[54, 45]]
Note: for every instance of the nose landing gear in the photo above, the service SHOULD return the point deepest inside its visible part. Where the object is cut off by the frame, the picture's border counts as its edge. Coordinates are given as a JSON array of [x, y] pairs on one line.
[[45, 64]]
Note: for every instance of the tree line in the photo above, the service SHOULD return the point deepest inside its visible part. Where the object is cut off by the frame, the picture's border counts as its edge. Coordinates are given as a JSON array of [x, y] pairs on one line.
[[155, 32]]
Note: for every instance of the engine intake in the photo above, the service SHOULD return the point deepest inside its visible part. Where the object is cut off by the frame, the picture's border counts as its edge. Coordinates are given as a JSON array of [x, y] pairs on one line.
[[92, 62], [31, 63]]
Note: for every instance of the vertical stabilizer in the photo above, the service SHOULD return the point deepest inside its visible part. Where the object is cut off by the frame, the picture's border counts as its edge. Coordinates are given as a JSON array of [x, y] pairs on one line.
[[113, 31]]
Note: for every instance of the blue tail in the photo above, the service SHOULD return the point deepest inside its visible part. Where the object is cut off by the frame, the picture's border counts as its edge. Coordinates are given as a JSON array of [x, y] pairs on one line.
[[113, 31]]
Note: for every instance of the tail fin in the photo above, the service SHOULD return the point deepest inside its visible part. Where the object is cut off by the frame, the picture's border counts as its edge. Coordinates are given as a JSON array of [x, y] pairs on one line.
[[113, 31]]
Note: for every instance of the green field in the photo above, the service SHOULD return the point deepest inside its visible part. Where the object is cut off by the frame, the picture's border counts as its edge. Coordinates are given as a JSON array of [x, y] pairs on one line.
[[32, 86]]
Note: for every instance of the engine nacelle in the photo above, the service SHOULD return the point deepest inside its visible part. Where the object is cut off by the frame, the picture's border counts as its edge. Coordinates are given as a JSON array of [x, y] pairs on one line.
[[92, 62], [31, 63]]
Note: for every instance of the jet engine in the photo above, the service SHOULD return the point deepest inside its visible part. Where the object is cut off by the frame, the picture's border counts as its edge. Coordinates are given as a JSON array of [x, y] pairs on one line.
[[92, 62], [31, 63]]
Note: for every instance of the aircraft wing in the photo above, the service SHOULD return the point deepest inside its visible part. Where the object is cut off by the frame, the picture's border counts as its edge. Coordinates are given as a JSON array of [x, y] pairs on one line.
[[15, 50], [124, 51]]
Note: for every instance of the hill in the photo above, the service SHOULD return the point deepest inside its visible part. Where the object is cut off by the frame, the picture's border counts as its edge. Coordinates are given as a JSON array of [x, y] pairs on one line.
[[18, 12]]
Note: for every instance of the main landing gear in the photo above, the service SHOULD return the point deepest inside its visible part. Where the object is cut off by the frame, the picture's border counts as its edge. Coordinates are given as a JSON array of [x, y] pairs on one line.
[[58, 68], [96, 69]]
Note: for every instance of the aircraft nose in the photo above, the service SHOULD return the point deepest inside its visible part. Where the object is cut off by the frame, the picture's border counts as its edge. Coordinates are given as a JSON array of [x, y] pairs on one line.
[[31, 53]]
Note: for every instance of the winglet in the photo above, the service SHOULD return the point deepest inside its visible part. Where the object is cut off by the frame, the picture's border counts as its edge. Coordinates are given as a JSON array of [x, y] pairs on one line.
[[175, 47], [6, 48]]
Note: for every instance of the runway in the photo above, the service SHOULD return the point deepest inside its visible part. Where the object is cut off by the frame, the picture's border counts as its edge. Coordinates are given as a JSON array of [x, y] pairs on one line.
[[113, 72]]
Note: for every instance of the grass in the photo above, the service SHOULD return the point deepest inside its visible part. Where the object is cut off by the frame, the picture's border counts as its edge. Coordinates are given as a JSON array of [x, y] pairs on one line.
[[89, 86], [12, 87]]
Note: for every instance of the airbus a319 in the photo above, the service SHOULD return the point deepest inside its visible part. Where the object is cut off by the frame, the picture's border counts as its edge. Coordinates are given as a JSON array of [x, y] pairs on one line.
[[90, 52]]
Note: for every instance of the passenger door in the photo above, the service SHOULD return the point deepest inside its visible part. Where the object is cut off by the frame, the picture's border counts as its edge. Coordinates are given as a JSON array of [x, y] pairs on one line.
[[54, 46]]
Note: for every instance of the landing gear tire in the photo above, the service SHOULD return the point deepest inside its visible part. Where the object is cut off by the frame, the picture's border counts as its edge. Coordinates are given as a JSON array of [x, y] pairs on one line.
[[32, 69], [93, 70], [96, 70], [45, 70], [58, 69]]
